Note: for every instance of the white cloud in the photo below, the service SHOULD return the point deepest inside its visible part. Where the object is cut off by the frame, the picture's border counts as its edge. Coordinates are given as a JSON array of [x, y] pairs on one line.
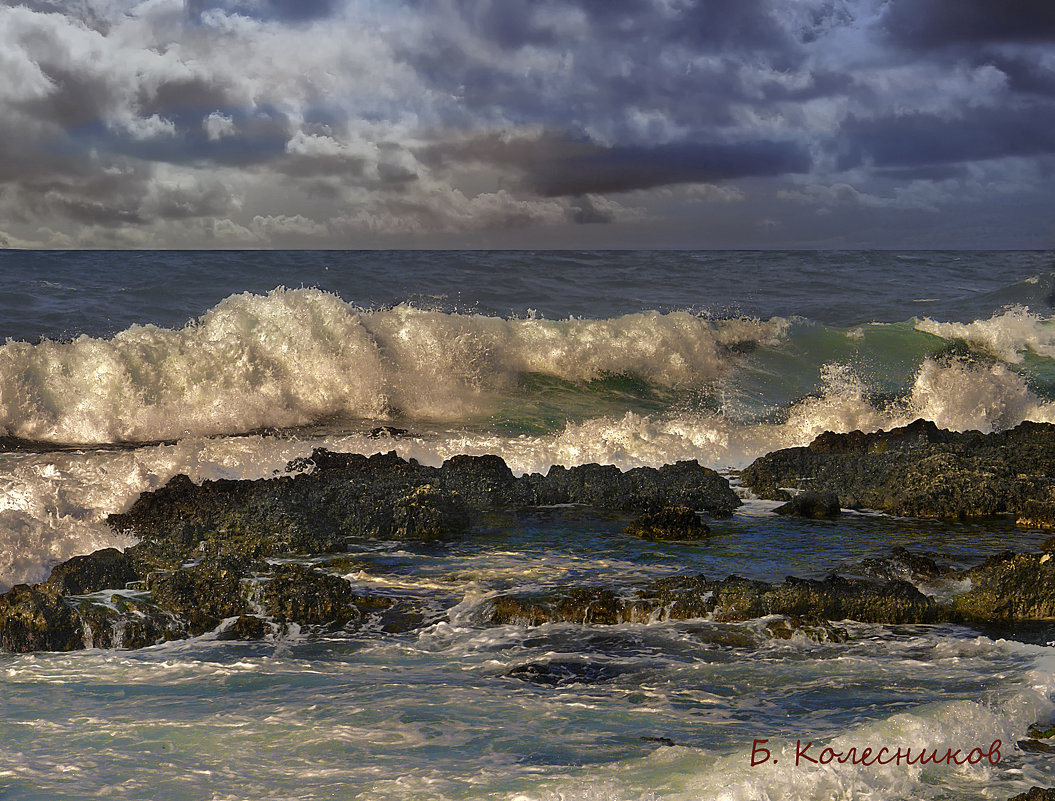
[[217, 126]]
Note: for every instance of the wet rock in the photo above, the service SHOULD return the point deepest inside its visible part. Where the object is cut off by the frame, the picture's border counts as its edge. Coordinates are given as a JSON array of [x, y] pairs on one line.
[[128, 621], [919, 470], [585, 605], [1036, 514], [428, 513], [670, 523], [814, 505], [838, 598], [734, 599], [244, 627], [298, 594], [905, 565], [1009, 586], [1036, 794], [485, 482], [658, 740], [108, 569], [38, 618], [1041, 731], [785, 628], [202, 595]]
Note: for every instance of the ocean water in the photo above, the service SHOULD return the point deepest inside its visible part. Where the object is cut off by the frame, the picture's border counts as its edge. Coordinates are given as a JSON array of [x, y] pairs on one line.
[[121, 370]]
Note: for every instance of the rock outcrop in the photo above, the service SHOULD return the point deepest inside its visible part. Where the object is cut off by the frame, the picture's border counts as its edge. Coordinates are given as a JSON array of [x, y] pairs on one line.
[[229, 556], [922, 471]]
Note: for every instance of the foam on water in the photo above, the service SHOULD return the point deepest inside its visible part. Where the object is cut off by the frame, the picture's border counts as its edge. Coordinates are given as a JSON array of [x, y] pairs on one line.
[[292, 357]]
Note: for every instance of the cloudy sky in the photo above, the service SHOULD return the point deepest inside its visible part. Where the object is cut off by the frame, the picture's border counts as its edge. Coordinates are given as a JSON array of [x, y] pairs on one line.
[[527, 123]]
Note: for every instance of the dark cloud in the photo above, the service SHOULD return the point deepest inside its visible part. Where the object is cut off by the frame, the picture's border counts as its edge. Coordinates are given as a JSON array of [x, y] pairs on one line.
[[1025, 75], [938, 23], [977, 134], [560, 166]]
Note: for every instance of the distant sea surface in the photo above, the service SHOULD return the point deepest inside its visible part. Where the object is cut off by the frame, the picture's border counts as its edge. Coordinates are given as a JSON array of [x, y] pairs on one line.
[[121, 370]]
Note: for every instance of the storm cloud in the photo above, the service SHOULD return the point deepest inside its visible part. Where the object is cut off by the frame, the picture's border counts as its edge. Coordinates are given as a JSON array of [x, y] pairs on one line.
[[347, 123]]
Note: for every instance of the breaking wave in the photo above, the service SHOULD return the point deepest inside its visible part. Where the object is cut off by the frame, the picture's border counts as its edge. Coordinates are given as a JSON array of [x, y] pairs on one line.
[[294, 357]]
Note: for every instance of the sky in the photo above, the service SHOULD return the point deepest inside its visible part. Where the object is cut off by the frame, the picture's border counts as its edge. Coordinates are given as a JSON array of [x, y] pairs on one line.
[[527, 123]]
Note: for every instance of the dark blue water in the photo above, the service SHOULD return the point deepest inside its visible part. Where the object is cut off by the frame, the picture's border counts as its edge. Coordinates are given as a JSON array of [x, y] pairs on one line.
[[63, 293]]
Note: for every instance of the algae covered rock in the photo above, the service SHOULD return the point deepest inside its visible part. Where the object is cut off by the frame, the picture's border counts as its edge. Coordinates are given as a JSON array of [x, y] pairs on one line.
[[38, 618], [1009, 586], [814, 505], [669, 523], [920, 471], [297, 594], [108, 569]]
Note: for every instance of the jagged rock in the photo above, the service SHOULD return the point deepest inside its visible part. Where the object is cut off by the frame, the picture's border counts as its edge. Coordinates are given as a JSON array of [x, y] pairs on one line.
[[1037, 514], [733, 599], [203, 595], [784, 628], [905, 565], [244, 627], [128, 622], [838, 598], [108, 569], [815, 505], [1009, 586], [38, 618], [919, 470], [1036, 794], [301, 595], [426, 513], [1041, 731], [670, 523]]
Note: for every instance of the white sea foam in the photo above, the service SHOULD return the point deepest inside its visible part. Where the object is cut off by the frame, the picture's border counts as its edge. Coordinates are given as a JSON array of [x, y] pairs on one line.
[[296, 356], [1007, 336]]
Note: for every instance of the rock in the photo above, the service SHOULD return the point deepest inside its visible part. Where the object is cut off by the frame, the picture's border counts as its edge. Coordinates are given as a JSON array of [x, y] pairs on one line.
[[202, 595], [784, 628], [905, 565], [244, 627], [1036, 514], [298, 594], [1036, 747], [733, 599], [658, 740], [128, 622], [838, 598], [1040, 731], [38, 619], [1008, 587], [428, 513], [108, 569], [815, 505], [1036, 794], [920, 471], [669, 523]]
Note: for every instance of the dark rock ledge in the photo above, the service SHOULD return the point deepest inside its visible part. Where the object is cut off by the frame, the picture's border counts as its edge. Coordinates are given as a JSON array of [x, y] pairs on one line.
[[922, 471], [246, 558], [228, 556]]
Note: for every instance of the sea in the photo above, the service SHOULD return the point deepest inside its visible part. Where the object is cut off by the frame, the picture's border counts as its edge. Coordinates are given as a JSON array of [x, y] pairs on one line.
[[120, 370]]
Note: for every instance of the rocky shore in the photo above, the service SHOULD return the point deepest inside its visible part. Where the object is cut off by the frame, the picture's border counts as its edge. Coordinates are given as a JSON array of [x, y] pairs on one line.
[[250, 558]]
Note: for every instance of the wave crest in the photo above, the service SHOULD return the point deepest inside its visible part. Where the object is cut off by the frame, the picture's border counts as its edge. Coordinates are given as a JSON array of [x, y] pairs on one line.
[[294, 357]]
